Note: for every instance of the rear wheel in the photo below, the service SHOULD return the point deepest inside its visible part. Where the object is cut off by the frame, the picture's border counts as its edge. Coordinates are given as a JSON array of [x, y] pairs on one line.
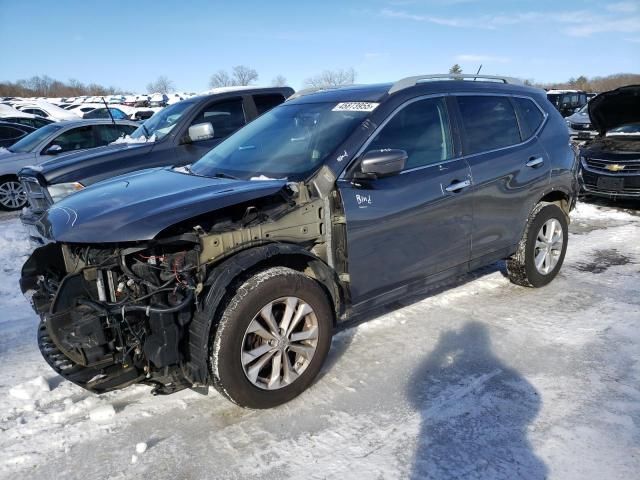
[[272, 338], [12, 195], [542, 249]]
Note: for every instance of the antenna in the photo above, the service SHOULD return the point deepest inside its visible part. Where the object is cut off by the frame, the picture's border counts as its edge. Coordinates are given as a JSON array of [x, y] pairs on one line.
[[478, 72], [108, 111]]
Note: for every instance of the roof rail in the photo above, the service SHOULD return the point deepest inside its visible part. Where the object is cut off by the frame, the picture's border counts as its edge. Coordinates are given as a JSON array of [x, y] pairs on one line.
[[412, 81], [310, 90]]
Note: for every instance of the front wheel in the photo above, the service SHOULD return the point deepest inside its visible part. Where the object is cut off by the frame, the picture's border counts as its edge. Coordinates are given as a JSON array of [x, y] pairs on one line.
[[542, 249], [272, 338], [12, 195]]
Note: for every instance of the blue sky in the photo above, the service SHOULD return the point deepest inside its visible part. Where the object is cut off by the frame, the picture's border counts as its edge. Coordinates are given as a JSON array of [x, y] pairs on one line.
[[127, 44]]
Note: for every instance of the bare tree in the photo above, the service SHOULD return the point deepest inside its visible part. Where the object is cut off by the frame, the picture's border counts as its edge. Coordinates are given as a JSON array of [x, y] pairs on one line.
[[243, 75], [455, 69], [162, 84], [279, 81], [332, 78], [220, 79]]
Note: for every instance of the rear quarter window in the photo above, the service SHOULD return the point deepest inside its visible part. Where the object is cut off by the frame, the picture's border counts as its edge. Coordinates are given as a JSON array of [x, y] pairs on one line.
[[530, 116], [489, 123]]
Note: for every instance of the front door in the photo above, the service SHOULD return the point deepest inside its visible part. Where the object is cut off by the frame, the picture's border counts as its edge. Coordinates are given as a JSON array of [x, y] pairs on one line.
[[414, 224], [225, 116]]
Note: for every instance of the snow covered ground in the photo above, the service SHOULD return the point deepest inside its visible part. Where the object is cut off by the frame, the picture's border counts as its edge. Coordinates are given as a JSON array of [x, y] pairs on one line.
[[482, 380]]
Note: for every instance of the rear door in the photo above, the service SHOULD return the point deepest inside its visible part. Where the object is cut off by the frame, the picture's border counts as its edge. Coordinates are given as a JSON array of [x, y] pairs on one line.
[[225, 116], [411, 225], [508, 165]]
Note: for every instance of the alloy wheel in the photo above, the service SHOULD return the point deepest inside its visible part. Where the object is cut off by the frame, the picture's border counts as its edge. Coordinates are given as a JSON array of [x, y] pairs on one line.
[[548, 246], [279, 343], [12, 195]]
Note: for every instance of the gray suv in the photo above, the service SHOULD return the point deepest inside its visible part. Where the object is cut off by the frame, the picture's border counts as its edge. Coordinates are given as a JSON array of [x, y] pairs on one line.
[[233, 272]]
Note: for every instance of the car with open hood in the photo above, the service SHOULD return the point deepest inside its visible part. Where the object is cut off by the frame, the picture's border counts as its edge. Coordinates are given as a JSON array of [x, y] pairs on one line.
[[177, 135], [234, 271], [610, 163]]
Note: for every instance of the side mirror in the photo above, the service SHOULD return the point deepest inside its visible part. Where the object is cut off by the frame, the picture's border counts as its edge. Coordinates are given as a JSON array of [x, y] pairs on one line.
[[53, 150], [198, 132], [383, 163]]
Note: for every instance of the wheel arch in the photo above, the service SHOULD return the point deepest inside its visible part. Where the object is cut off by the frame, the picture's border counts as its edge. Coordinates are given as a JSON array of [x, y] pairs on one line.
[[219, 287]]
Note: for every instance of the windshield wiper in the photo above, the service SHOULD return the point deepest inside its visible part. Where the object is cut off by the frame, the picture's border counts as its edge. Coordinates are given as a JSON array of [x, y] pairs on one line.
[[224, 175], [146, 131]]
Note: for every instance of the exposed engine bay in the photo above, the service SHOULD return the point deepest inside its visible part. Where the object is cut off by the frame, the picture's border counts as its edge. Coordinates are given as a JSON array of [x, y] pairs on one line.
[[115, 315]]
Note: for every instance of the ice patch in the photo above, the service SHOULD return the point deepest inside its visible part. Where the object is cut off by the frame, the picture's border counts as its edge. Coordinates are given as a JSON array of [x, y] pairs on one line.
[[103, 414], [31, 390]]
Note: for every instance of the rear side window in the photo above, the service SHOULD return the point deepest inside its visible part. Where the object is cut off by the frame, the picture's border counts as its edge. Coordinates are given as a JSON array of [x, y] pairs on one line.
[[530, 116], [266, 102], [35, 111], [421, 129], [10, 133], [489, 123], [225, 117], [109, 133]]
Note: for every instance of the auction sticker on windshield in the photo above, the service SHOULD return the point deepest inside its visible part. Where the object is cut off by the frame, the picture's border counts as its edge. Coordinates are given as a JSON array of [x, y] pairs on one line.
[[355, 107]]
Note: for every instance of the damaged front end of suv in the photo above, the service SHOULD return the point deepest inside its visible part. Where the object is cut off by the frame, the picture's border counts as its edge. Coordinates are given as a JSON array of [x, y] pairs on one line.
[[117, 311]]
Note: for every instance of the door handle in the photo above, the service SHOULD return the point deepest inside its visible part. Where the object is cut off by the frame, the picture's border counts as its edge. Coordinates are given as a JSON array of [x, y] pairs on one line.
[[535, 162], [457, 186]]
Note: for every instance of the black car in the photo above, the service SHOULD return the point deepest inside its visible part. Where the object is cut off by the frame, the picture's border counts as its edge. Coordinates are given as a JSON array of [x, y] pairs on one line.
[[610, 163], [10, 133], [233, 272], [34, 122], [105, 112], [177, 135]]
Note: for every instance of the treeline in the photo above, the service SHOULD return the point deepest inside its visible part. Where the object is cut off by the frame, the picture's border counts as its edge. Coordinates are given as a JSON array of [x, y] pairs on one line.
[[45, 86], [595, 84]]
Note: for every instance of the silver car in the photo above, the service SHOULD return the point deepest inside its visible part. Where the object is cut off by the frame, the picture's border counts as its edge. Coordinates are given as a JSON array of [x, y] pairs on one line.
[[45, 143]]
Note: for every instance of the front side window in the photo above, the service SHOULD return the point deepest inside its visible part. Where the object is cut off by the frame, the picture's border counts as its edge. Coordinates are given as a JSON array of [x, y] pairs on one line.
[[489, 123], [225, 117], [160, 125], [75, 139], [290, 141], [31, 141], [422, 130], [531, 116]]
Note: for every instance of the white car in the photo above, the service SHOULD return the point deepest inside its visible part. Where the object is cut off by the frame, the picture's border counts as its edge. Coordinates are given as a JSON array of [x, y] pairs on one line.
[[45, 110]]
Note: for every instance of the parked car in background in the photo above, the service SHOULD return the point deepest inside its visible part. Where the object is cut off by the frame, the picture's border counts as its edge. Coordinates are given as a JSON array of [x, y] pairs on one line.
[[10, 114], [567, 101], [10, 133], [55, 139], [610, 163], [234, 272], [158, 100], [111, 112], [177, 135], [580, 126], [45, 110]]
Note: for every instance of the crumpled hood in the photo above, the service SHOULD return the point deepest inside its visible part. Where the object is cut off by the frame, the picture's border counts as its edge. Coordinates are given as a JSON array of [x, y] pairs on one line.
[[140, 205], [614, 108]]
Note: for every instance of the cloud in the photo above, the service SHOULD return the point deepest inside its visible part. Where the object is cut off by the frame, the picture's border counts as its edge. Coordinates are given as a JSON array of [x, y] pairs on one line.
[[578, 23], [623, 7], [481, 58]]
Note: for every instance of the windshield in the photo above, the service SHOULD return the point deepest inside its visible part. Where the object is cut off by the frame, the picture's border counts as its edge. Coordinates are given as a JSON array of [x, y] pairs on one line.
[[162, 122], [28, 143], [632, 129], [290, 141]]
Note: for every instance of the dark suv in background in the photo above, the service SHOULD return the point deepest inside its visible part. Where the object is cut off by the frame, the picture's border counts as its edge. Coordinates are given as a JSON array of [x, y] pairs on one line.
[[233, 272], [177, 135]]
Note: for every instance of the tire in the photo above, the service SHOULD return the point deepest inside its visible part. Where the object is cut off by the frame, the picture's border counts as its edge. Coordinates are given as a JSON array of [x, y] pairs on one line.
[[12, 195], [521, 267], [234, 368]]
